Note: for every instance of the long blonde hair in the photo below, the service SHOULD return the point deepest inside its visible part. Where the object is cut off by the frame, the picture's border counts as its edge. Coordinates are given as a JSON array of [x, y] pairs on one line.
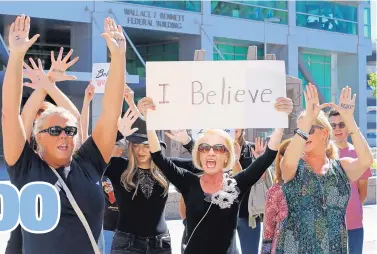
[[323, 121], [228, 144], [128, 176], [282, 148]]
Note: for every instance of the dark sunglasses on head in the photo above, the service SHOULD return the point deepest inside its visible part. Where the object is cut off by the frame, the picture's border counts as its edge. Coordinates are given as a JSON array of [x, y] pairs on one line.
[[205, 148], [313, 128], [57, 130], [341, 125]]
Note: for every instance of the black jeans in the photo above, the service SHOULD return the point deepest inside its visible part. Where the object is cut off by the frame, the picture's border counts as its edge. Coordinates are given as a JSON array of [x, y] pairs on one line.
[[125, 243]]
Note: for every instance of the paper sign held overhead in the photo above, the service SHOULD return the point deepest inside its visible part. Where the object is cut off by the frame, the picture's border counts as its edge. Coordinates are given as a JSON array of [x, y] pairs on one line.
[[100, 72], [215, 94]]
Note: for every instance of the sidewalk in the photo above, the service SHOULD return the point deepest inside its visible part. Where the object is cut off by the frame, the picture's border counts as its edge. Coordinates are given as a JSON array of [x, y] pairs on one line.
[[176, 228]]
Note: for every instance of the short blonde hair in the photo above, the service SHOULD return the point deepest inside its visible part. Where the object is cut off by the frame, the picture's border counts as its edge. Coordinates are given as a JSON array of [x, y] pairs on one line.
[[323, 121], [228, 144]]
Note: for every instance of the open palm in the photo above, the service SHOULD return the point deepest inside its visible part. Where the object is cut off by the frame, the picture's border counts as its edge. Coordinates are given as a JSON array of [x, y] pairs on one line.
[[59, 66], [180, 136], [115, 40], [312, 102], [346, 107], [260, 147], [37, 76], [19, 41], [125, 123]]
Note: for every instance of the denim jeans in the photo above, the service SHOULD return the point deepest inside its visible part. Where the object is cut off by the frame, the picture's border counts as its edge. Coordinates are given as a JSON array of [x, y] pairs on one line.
[[125, 243], [355, 241], [108, 235], [249, 237]]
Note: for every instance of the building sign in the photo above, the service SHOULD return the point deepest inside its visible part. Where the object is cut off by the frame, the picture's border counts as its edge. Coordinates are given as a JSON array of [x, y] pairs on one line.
[[153, 19], [215, 94]]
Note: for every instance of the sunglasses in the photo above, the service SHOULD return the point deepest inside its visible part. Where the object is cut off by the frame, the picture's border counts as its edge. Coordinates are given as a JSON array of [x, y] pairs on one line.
[[205, 148], [313, 128], [341, 125], [57, 130]]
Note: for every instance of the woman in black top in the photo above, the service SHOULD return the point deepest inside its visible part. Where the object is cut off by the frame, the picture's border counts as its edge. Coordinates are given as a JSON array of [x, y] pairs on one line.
[[141, 192], [212, 200]]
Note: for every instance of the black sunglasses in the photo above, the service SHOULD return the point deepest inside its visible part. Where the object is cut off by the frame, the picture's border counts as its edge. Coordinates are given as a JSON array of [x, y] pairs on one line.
[[205, 148], [341, 125], [313, 128], [57, 130]]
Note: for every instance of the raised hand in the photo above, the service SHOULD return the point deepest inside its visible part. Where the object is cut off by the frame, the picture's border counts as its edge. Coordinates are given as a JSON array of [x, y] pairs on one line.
[[260, 147], [237, 149], [180, 136], [19, 41], [89, 93], [283, 104], [60, 65], [346, 107], [144, 104], [115, 40], [37, 76], [125, 124], [129, 95], [312, 102]]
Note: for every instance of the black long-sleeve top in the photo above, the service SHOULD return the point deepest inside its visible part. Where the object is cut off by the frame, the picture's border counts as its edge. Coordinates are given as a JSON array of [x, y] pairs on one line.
[[216, 232]]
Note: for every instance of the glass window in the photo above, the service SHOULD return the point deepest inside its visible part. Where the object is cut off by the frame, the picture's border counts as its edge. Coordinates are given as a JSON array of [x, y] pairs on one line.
[[326, 15], [367, 23], [254, 10], [194, 6]]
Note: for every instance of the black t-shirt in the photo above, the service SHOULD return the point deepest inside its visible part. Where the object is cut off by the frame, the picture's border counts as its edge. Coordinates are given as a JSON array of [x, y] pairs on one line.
[[141, 214], [83, 178], [246, 159], [216, 232], [111, 207]]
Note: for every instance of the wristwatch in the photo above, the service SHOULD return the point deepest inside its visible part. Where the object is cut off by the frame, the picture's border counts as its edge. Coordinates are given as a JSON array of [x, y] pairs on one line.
[[301, 133]]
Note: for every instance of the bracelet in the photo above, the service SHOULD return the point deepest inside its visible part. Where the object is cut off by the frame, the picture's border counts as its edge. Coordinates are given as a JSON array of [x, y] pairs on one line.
[[301, 133], [353, 132]]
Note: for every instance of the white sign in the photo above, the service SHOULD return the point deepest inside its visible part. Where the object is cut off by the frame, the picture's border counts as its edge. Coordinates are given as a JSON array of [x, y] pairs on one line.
[[100, 72], [215, 94], [197, 132]]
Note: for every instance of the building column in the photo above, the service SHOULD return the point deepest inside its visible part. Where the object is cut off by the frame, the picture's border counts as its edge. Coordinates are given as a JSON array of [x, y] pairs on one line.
[[292, 55], [362, 92], [334, 78], [99, 55]]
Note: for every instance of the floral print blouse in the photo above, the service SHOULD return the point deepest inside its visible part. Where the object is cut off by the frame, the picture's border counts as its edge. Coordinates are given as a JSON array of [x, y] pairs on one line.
[[316, 212], [276, 212]]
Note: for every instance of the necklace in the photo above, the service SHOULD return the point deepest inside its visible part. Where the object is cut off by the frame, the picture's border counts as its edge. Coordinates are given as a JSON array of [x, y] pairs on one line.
[[324, 206]]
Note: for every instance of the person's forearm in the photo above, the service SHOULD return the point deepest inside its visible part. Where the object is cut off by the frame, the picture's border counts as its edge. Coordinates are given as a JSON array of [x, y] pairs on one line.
[[237, 167], [62, 100], [112, 102], [30, 110], [153, 142], [85, 119], [12, 86], [275, 139], [294, 151], [362, 149]]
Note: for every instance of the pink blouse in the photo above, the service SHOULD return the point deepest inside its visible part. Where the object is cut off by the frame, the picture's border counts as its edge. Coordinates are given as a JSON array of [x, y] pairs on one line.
[[275, 212]]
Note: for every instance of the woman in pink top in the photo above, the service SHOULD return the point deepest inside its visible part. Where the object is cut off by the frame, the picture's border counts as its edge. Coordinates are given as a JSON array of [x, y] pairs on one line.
[[276, 207]]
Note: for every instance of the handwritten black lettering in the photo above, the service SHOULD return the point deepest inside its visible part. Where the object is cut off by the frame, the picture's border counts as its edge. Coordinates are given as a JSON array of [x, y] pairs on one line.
[[264, 92], [57, 70], [17, 38], [101, 73], [347, 106], [192, 94], [163, 94]]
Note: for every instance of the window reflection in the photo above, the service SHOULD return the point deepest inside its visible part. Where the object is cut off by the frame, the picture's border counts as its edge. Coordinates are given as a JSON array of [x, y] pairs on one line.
[[251, 10], [195, 6], [329, 16]]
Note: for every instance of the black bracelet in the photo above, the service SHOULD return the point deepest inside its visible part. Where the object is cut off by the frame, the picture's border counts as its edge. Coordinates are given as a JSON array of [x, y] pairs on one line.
[[301, 134]]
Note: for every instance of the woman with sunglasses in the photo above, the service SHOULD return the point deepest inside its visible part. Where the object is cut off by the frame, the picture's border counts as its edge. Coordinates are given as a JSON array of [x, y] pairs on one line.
[[212, 199], [317, 185], [276, 208], [56, 135]]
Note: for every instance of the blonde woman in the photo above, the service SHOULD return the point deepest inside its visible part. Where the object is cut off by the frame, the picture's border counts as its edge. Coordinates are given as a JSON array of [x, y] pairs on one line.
[[55, 132], [317, 185], [141, 191], [276, 207], [212, 199]]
